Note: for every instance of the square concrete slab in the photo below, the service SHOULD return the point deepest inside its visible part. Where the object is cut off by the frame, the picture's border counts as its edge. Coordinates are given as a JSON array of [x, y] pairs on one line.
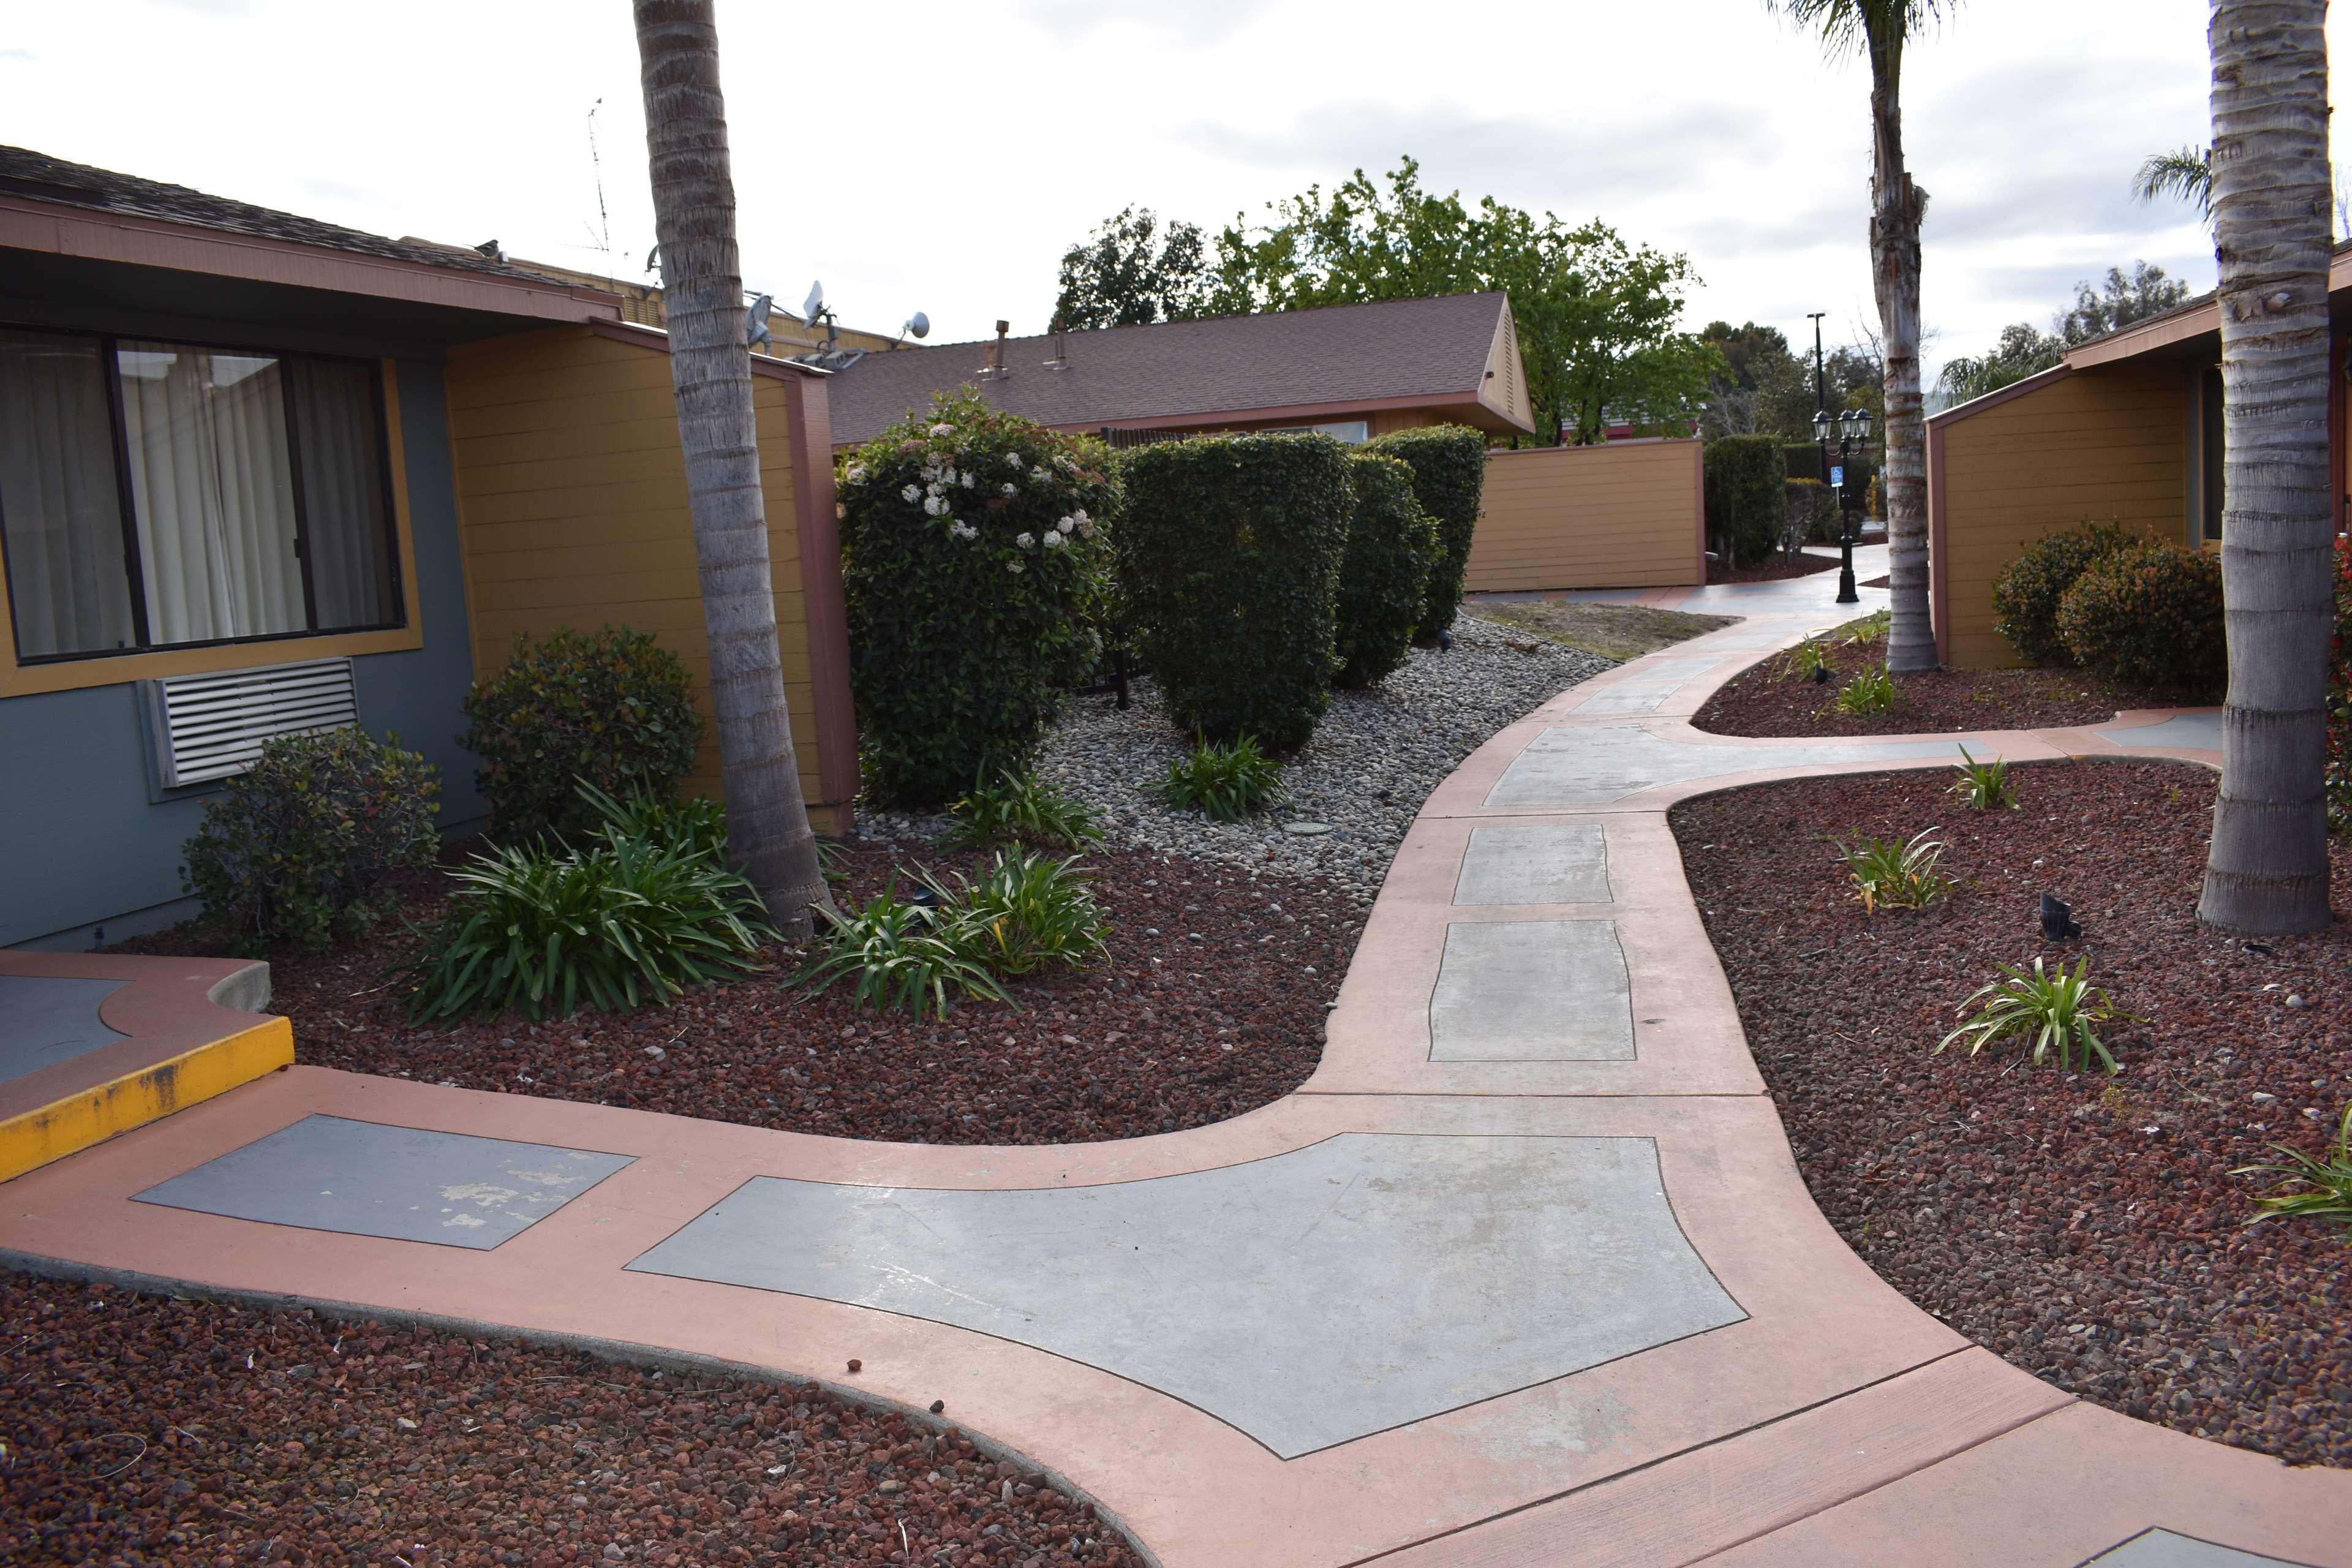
[[2162, 1549], [1309, 1298], [46, 1019], [360, 1178], [1532, 991], [1565, 864]]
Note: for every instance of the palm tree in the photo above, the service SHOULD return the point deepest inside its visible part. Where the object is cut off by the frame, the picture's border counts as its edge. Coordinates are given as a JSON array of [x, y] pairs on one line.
[[2187, 174], [2267, 869], [768, 830], [1879, 29]]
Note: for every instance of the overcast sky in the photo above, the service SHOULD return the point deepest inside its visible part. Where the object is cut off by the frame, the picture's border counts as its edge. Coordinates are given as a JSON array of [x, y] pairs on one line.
[[941, 156]]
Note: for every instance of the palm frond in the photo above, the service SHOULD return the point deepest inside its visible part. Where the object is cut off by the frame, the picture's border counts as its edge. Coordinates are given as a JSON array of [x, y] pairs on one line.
[[2187, 174], [1850, 25]]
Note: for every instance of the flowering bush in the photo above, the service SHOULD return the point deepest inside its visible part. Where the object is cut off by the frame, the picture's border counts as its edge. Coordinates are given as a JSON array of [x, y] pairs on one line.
[[1391, 550], [1449, 479], [2339, 697], [975, 556], [1228, 562], [2151, 617]]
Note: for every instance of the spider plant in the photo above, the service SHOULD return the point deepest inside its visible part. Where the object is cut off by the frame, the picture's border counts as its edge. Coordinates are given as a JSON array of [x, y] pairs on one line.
[[1871, 691], [1019, 806], [2308, 1187], [2056, 1012], [1897, 874], [1868, 628], [1224, 782], [899, 956], [1809, 660], [1027, 911], [1983, 786]]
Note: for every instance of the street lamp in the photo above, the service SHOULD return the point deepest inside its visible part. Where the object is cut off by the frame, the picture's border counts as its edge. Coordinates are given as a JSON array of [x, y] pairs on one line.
[[1851, 429]]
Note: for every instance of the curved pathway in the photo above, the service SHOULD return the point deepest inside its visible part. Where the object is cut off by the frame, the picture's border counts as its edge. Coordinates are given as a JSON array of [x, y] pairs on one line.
[[1524, 1274]]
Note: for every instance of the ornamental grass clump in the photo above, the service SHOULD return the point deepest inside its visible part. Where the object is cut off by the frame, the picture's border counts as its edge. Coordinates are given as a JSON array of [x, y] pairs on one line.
[[1869, 691], [2309, 1187], [1393, 548], [1229, 565], [306, 844], [975, 563], [899, 957], [1449, 480], [1019, 807], [1809, 660], [1983, 786], [1223, 783], [1896, 874], [1026, 911], [2049, 1013]]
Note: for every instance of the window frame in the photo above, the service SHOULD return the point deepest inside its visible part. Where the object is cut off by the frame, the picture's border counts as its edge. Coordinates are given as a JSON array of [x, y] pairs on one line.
[[398, 555]]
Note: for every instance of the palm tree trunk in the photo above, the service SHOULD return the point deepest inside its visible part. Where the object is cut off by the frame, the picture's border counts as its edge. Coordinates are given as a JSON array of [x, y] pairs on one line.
[[1896, 205], [2267, 869], [767, 829]]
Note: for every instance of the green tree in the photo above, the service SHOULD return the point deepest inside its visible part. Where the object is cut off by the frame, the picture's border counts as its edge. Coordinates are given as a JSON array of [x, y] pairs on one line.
[[1598, 318], [768, 832], [2147, 290], [2267, 869], [1129, 274], [1879, 29], [2187, 174], [2021, 351]]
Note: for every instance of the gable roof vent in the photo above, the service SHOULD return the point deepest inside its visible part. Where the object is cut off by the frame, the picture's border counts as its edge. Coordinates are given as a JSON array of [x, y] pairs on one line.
[[208, 727]]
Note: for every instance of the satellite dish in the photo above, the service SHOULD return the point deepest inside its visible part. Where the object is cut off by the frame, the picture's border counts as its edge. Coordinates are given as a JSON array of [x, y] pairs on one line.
[[814, 306], [755, 322], [920, 324]]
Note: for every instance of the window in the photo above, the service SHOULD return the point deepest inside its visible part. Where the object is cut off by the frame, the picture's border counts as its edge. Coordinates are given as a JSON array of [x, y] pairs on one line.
[[167, 495]]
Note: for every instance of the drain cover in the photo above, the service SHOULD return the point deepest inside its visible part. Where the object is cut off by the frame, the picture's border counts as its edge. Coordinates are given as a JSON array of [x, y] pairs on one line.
[[1306, 829]]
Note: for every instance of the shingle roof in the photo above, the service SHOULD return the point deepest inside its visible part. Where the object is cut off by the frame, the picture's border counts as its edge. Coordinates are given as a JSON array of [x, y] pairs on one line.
[[1399, 349], [26, 173]]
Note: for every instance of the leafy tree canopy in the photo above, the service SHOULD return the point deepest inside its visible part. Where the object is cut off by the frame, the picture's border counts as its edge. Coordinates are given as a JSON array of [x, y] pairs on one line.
[[1767, 388], [1127, 274], [2023, 350]]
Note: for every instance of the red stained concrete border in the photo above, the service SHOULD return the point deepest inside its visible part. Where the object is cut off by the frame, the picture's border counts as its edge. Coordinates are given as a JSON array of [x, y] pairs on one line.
[[164, 1007]]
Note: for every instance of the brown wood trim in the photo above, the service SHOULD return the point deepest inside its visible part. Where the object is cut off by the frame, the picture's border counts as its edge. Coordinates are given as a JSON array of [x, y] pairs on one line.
[[823, 598], [2191, 321], [1698, 513], [655, 339], [2015, 389], [2336, 474], [1939, 576], [26, 224]]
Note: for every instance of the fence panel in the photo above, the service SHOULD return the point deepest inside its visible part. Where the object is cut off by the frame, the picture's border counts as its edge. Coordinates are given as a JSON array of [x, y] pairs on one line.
[[1624, 515]]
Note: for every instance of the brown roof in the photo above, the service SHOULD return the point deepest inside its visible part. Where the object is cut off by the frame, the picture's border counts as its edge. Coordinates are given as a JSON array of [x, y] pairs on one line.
[[1396, 352], [26, 173]]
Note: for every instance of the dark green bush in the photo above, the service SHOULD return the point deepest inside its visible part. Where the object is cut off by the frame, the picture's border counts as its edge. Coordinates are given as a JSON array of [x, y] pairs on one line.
[[2025, 594], [304, 845], [2151, 617], [975, 557], [1391, 550], [1747, 496], [612, 709], [1449, 480], [1229, 559], [1812, 506]]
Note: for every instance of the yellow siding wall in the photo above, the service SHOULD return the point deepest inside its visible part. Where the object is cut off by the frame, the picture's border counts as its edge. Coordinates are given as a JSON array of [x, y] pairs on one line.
[[1620, 515], [2105, 445], [571, 498]]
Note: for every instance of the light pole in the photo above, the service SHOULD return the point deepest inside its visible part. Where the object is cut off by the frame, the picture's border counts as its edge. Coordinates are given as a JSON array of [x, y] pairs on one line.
[[1853, 427]]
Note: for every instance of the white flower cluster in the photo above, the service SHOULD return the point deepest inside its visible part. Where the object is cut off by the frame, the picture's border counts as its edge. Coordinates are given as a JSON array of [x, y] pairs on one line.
[[1009, 487], [957, 530], [942, 429], [1025, 541], [1077, 523]]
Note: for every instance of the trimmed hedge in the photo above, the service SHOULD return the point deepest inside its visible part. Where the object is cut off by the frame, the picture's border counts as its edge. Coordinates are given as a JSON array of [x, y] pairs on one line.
[[974, 558], [1229, 561], [1449, 479], [1391, 550], [1813, 506], [1747, 496], [2151, 617], [304, 845], [2026, 594], [612, 709]]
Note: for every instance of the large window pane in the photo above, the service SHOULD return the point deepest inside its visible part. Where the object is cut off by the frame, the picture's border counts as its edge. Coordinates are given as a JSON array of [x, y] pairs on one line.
[[62, 515], [213, 487], [345, 518]]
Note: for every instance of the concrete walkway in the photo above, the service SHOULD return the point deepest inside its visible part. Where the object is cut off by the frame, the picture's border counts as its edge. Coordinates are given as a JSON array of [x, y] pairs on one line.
[[1525, 1274]]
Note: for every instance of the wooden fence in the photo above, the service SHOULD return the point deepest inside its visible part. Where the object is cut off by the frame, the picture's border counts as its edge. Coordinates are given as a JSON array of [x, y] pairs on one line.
[[1625, 514]]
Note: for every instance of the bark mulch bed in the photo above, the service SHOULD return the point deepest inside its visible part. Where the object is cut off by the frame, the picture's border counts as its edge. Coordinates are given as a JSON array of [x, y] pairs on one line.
[[145, 1429], [2086, 1229], [1772, 569], [1211, 1004], [1761, 701]]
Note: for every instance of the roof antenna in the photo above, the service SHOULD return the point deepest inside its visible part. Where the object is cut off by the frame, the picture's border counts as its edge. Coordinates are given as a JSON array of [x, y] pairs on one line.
[[918, 324], [596, 165], [755, 322]]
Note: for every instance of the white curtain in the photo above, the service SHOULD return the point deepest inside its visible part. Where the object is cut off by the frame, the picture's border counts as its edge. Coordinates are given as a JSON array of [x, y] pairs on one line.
[[213, 491], [343, 506], [63, 516]]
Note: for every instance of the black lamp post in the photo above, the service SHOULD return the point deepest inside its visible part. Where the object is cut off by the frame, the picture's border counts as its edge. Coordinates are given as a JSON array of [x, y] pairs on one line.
[[1851, 427]]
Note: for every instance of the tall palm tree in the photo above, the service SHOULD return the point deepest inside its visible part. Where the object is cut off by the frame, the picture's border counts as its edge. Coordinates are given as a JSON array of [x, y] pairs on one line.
[[2267, 869], [1878, 30], [768, 830], [2187, 174]]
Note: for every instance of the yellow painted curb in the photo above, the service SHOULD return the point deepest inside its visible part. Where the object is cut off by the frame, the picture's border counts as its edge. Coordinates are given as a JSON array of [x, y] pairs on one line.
[[95, 1114]]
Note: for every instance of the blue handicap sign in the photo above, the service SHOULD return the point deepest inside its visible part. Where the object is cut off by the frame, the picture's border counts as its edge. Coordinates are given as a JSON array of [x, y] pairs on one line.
[[1837, 477]]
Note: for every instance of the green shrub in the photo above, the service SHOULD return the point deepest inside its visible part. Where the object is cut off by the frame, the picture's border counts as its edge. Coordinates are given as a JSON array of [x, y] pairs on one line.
[[1984, 786], [1224, 782], [974, 560], [1747, 496], [1020, 808], [623, 923], [1449, 480], [2026, 593], [899, 956], [2340, 697], [696, 824], [2309, 1187], [612, 709], [2057, 1012], [1896, 874], [1812, 506], [1028, 910], [1229, 558], [1871, 691], [1809, 660], [1391, 550], [305, 844], [2151, 617]]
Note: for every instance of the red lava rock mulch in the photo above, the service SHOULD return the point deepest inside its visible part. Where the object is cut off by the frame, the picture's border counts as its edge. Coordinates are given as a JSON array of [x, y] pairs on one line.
[[1175, 1029], [146, 1429], [1884, 579], [1772, 569], [2086, 1229], [1761, 701]]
